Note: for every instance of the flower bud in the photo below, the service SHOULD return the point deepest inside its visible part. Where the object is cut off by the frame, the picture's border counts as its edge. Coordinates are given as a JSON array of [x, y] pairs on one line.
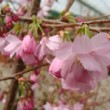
[[8, 21], [15, 17]]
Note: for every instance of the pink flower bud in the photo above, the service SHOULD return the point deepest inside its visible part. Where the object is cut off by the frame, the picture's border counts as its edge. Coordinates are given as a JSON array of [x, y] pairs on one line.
[[55, 68], [29, 44], [8, 21], [7, 9], [26, 103], [15, 17], [21, 11]]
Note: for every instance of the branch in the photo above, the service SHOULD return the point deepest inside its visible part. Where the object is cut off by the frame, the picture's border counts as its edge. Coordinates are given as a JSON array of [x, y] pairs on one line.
[[70, 3], [99, 29], [57, 23], [16, 76], [13, 88], [29, 70]]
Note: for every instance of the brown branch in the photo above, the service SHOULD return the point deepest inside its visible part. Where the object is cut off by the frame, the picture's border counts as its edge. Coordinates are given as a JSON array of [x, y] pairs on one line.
[[70, 3], [99, 29], [7, 78], [29, 19], [29, 70], [97, 21], [57, 23], [13, 88], [23, 72]]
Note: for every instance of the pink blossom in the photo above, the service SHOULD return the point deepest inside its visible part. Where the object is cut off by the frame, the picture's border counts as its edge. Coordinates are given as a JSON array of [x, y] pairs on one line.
[[24, 2], [48, 106], [24, 49], [25, 104], [34, 79], [44, 8], [43, 12], [80, 19], [85, 62], [47, 46], [27, 49], [78, 106], [8, 21], [13, 44], [28, 44], [41, 49], [55, 67], [21, 11], [54, 42]]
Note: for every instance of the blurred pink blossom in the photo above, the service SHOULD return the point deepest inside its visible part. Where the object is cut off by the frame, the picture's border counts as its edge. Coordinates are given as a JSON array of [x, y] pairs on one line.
[[45, 7], [47, 46], [21, 11], [61, 106], [27, 49], [55, 67], [85, 62], [13, 44], [23, 49], [34, 79], [25, 104], [78, 106]]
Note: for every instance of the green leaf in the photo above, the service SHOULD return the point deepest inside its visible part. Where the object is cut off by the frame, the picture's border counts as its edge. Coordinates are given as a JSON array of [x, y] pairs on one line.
[[84, 30]]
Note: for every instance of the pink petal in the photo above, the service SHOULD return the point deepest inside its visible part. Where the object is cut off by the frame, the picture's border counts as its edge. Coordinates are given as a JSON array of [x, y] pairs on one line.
[[79, 79], [99, 41], [55, 67], [2, 41], [12, 38], [67, 66], [64, 52], [12, 46], [82, 45], [90, 63]]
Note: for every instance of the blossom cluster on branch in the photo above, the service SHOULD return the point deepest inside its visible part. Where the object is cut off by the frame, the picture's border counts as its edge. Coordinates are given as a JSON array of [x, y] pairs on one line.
[[75, 55]]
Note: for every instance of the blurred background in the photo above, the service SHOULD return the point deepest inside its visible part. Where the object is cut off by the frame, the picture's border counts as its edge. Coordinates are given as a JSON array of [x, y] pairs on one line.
[[87, 8]]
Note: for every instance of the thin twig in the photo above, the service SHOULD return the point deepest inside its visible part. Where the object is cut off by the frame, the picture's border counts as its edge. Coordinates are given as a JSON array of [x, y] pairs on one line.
[[26, 71], [58, 23], [70, 3], [99, 29], [15, 76]]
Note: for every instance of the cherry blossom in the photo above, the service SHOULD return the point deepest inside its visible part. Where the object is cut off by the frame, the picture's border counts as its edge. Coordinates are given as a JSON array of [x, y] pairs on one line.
[[55, 68], [85, 62], [25, 104]]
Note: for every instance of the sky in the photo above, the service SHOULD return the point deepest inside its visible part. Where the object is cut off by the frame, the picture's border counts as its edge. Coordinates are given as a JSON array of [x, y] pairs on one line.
[[79, 9], [101, 5]]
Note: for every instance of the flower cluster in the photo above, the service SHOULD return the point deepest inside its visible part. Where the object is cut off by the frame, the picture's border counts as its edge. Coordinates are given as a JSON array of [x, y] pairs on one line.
[[79, 61], [82, 63]]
